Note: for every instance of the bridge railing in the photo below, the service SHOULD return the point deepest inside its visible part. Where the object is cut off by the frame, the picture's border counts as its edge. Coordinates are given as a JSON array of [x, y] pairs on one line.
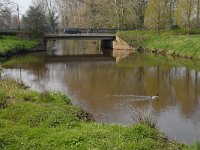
[[98, 30], [60, 30]]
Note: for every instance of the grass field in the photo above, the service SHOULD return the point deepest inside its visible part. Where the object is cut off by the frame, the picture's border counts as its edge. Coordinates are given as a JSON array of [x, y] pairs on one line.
[[167, 42], [10, 45]]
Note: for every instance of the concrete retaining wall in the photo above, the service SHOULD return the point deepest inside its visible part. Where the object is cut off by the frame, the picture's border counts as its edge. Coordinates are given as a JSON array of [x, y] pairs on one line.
[[119, 44]]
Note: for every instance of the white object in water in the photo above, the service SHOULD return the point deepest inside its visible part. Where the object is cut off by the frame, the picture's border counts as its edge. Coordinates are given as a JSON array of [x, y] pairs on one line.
[[155, 97]]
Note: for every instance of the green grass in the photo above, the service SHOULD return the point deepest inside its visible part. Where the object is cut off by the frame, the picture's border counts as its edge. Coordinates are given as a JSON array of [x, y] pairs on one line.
[[10, 45], [31, 120], [167, 42]]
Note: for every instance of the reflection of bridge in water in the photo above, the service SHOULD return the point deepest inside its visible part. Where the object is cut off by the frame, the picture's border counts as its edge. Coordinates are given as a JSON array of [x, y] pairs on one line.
[[85, 57], [106, 39]]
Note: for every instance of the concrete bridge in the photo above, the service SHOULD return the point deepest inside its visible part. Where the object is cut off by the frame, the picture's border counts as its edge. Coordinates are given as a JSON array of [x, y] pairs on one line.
[[106, 39]]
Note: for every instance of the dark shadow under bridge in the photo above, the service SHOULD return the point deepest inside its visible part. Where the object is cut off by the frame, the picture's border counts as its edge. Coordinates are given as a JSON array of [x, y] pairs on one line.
[[105, 38]]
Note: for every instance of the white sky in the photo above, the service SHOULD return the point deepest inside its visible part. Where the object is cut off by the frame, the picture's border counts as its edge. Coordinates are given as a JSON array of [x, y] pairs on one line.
[[23, 5]]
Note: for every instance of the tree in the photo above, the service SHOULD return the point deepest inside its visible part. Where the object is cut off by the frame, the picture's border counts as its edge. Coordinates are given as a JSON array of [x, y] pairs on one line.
[[169, 8], [138, 10], [52, 18], [5, 14], [197, 13], [35, 20], [70, 12], [119, 9], [50, 12], [184, 13], [155, 16]]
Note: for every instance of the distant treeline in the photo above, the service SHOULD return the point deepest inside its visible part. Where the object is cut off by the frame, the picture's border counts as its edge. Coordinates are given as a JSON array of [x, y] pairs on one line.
[[49, 15]]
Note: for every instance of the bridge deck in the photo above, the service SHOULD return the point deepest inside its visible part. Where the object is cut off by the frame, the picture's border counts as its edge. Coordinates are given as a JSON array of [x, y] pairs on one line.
[[83, 36]]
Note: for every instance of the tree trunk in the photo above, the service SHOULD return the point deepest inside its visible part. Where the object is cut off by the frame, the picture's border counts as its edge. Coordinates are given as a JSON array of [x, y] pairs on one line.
[[189, 13], [198, 11]]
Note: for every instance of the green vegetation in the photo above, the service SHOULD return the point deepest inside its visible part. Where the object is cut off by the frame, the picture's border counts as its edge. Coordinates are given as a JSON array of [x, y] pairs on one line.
[[139, 60], [167, 42], [22, 60], [145, 117], [1, 68], [31, 120], [10, 45]]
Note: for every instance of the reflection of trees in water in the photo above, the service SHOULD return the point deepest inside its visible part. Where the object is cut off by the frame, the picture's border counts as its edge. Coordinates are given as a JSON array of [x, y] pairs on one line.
[[106, 79]]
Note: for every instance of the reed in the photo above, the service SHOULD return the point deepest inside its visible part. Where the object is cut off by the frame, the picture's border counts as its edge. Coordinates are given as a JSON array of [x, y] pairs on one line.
[[145, 117]]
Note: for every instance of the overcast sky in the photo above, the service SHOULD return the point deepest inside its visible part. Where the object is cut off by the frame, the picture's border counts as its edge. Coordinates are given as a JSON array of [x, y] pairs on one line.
[[23, 5]]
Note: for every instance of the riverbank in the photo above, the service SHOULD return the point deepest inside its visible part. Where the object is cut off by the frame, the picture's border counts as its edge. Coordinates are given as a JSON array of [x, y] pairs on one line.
[[31, 120], [12, 45], [166, 43]]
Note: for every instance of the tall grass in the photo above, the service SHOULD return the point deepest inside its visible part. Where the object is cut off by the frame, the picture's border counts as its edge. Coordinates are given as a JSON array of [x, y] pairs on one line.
[[195, 146], [145, 117]]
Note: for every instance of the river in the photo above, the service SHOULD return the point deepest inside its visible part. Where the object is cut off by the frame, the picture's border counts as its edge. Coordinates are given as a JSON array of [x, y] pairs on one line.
[[112, 87]]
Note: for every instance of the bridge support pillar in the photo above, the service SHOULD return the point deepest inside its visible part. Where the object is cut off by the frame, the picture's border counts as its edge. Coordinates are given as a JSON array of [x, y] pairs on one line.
[[107, 44]]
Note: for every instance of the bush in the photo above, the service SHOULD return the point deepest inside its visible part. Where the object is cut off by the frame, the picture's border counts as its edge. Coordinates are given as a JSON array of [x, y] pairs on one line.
[[175, 27]]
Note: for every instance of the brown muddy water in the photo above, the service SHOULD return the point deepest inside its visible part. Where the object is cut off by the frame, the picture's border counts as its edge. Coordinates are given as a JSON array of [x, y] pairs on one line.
[[112, 89]]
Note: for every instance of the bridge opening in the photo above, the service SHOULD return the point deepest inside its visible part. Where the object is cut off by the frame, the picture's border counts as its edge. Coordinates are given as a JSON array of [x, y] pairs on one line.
[[78, 50], [106, 39]]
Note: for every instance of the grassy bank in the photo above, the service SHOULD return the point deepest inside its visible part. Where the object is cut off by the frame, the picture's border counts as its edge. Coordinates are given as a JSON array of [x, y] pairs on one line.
[[10, 45], [167, 42], [31, 120]]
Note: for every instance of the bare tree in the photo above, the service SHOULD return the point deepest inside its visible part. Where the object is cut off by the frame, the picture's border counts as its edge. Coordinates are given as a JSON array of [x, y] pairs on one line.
[[185, 13], [5, 14], [169, 8], [155, 17], [197, 13], [70, 12], [52, 17], [137, 9]]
